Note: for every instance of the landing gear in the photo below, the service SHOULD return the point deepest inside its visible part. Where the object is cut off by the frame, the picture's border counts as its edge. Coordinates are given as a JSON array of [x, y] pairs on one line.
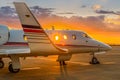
[[62, 63], [1, 64], [94, 60], [14, 65], [63, 58], [12, 70]]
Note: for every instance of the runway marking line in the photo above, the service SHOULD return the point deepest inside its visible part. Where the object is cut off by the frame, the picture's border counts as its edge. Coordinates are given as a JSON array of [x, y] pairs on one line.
[[81, 63], [31, 68]]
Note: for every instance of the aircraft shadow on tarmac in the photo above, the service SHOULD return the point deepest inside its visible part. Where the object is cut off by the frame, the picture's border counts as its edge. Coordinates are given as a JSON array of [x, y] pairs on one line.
[[64, 75]]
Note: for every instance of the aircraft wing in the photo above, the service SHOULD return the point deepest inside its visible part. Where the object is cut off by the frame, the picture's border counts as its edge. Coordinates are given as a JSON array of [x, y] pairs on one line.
[[37, 38], [14, 51]]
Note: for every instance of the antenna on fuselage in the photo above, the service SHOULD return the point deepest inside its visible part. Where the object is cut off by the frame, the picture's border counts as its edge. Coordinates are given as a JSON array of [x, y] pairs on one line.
[[53, 28], [67, 29]]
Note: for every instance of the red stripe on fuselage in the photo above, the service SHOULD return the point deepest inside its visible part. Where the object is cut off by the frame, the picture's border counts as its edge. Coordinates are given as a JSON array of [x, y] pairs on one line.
[[33, 30], [16, 44], [78, 46]]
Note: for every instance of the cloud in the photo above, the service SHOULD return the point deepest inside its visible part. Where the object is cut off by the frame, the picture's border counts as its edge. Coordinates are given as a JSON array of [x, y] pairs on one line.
[[10, 12], [38, 9], [7, 11], [66, 13], [96, 7], [11, 1], [91, 22], [44, 12], [83, 6], [44, 15], [107, 12], [104, 0]]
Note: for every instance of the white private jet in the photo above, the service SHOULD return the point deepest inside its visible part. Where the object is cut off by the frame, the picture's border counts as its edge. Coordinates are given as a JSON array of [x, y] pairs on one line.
[[33, 40]]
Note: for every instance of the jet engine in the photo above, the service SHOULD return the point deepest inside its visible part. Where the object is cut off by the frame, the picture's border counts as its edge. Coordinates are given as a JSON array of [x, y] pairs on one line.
[[4, 34]]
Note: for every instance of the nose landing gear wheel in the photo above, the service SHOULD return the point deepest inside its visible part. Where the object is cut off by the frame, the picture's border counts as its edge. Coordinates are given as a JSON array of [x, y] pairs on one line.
[[94, 61], [1, 64], [13, 70]]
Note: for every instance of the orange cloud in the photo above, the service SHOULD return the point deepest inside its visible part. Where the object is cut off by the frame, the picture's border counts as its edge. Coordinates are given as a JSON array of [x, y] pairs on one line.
[[96, 6], [95, 29]]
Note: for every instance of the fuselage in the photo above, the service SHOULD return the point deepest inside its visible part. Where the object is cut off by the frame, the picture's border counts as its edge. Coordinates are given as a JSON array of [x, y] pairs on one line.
[[74, 41]]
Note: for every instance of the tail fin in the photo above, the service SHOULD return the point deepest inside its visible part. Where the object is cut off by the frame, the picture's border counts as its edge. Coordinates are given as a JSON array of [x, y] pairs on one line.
[[37, 38]]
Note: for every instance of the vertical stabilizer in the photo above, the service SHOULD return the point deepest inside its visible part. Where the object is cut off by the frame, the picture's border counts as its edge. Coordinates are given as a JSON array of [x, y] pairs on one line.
[[37, 38]]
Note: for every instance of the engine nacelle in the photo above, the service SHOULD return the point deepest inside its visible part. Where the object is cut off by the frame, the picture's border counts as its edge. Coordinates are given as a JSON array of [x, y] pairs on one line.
[[4, 34]]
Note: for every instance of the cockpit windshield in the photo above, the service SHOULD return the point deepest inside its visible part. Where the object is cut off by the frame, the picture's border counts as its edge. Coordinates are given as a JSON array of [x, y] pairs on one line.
[[85, 35]]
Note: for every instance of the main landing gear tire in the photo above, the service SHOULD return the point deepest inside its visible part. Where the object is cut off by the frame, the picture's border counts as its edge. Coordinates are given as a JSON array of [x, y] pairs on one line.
[[13, 70], [62, 63], [94, 61], [1, 64]]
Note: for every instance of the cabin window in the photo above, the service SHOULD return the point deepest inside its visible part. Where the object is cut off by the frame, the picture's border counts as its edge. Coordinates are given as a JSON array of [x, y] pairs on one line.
[[85, 35], [74, 37], [65, 37], [56, 37]]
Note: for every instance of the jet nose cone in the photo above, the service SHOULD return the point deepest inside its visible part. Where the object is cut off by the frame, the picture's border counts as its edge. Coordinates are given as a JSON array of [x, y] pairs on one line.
[[106, 47]]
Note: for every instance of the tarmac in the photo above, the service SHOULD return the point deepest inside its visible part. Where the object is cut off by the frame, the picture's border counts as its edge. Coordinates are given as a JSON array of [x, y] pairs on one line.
[[78, 68]]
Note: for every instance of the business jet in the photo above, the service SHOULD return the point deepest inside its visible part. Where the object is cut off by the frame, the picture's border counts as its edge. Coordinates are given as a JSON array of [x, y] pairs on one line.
[[33, 40]]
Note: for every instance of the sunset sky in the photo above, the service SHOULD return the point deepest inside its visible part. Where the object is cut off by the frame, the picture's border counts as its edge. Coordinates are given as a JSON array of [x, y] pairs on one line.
[[99, 18]]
